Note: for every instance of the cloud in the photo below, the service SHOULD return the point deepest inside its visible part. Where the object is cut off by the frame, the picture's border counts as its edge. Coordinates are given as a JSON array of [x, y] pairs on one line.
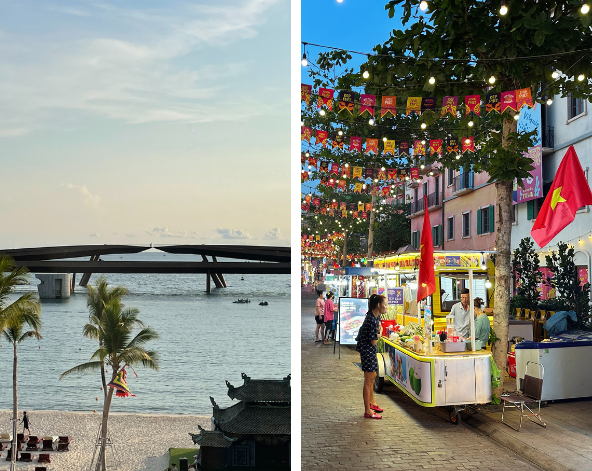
[[273, 234], [130, 235], [96, 234], [227, 233], [163, 231], [125, 66], [87, 197]]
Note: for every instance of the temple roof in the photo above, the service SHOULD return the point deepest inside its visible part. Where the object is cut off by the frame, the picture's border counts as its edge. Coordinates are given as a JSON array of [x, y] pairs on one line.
[[261, 390], [253, 419], [211, 438]]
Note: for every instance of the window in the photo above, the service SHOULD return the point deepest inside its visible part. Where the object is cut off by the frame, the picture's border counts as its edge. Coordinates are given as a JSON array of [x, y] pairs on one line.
[[576, 107], [533, 207], [425, 189], [466, 225], [437, 235], [415, 239], [514, 215], [450, 228], [450, 173], [485, 220]]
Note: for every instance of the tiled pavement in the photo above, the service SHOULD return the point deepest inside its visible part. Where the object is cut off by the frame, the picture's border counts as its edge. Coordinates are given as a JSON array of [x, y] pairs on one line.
[[409, 437]]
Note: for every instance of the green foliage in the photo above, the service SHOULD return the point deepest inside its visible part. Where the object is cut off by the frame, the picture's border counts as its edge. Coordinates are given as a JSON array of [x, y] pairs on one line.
[[554, 304], [567, 287], [392, 232], [525, 263], [492, 337]]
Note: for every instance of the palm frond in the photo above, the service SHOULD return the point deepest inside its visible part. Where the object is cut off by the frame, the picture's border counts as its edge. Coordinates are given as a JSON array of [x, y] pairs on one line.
[[83, 368]]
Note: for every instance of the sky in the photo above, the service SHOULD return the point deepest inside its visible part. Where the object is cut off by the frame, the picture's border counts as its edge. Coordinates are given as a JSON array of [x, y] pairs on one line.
[[144, 122]]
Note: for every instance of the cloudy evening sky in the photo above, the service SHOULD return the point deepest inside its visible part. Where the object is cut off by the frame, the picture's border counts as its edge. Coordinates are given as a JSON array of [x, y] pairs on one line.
[[144, 121]]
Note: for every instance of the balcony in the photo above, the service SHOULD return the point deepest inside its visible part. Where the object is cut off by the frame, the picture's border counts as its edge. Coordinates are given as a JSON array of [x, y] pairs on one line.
[[462, 183], [417, 207], [548, 137]]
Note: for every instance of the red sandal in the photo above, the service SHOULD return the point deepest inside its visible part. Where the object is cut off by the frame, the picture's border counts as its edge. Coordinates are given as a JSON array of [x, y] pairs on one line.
[[372, 416], [376, 408]]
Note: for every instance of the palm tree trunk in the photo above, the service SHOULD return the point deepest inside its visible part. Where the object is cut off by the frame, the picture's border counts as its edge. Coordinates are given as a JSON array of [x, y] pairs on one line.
[[102, 460], [14, 409]]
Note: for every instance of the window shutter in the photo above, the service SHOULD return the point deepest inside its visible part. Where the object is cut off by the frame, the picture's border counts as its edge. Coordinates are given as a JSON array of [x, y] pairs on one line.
[[530, 210], [479, 221], [434, 235], [491, 219], [440, 235]]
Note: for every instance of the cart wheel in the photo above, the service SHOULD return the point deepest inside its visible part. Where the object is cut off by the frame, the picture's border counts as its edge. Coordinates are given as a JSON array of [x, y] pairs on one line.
[[455, 417], [378, 384]]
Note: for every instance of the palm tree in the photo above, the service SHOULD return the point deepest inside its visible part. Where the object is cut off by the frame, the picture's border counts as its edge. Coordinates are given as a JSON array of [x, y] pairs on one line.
[[98, 297], [119, 348], [14, 318]]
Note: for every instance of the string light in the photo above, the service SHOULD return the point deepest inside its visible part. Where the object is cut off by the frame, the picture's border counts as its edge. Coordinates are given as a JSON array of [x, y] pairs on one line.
[[366, 74], [555, 74], [471, 124], [457, 156], [423, 5], [585, 8], [517, 116], [422, 166], [467, 141], [371, 122], [432, 80], [424, 125], [423, 141], [384, 139], [492, 79], [322, 112], [307, 154], [549, 101], [503, 9], [487, 283], [581, 77], [340, 133]]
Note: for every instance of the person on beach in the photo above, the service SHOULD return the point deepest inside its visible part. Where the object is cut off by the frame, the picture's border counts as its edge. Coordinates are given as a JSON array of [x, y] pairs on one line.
[[25, 423], [319, 313], [328, 318], [174, 468], [366, 346]]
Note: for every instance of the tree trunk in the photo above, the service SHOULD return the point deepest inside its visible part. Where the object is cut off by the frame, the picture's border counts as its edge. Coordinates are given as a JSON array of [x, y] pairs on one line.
[[102, 459], [344, 259], [14, 409], [371, 229], [503, 263]]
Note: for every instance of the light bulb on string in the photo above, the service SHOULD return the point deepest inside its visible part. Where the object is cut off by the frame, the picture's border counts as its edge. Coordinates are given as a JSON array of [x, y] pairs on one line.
[[487, 283], [423, 6], [304, 61], [581, 77], [423, 125], [422, 166], [371, 122], [347, 165], [340, 132], [307, 154], [457, 156], [423, 141], [471, 123], [503, 9], [322, 112], [517, 116], [585, 8], [382, 168], [432, 80], [366, 74], [467, 141], [549, 101], [555, 74], [384, 139], [491, 80]]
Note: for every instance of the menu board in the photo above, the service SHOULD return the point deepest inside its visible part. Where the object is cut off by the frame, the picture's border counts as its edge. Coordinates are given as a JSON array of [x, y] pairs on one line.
[[352, 312]]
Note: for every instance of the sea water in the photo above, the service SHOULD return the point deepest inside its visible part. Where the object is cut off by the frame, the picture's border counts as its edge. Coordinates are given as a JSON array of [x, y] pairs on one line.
[[204, 341]]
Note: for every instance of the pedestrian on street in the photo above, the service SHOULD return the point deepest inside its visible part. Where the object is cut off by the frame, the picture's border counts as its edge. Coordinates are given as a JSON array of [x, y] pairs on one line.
[[25, 423], [319, 313], [367, 340], [328, 317]]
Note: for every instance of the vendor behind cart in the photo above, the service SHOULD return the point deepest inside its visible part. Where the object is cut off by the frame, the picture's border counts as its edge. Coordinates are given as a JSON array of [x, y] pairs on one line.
[[481, 323], [461, 313]]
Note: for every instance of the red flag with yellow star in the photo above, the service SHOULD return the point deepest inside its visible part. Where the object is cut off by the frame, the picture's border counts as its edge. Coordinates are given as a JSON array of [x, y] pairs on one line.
[[426, 280], [568, 193]]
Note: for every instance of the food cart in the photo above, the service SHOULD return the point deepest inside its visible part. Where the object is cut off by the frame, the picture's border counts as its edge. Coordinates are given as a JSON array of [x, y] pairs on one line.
[[429, 375]]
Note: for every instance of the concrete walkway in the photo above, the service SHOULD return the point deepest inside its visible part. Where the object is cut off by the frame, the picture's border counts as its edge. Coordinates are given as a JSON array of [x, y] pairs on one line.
[[410, 437]]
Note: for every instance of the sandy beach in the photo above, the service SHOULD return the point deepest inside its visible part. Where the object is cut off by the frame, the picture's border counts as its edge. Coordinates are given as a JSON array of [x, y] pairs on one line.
[[140, 441]]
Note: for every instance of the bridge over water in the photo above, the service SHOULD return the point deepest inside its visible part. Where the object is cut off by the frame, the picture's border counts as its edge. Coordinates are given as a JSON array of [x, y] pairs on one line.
[[253, 260]]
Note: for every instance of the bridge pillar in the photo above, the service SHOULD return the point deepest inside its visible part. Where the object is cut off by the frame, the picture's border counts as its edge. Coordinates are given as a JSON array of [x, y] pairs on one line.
[[208, 286], [86, 276], [213, 275], [219, 275]]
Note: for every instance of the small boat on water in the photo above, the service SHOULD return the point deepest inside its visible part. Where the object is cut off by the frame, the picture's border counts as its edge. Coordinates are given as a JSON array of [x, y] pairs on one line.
[[242, 278], [241, 301], [263, 303]]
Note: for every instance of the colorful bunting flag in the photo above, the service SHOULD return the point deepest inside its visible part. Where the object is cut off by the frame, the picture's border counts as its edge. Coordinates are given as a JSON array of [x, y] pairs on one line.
[[364, 215], [304, 176], [342, 206], [388, 106], [344, 213], [414, 173], [468, 144], [355, 215], [305, 133], [345, 171], [305, 92], [449, 105], [355, 144], [385, 191], [375, 190], [335, 204], [335, 168], [473, 105], [337, 141], [347, 99], [428, 104], [307, 198], [360, 206], [452, 145], [403, 173], [381, 174], [368, 102], [369, 174], [436, 146], [358, 188], [508, 100], [371, 145], [312, 162], [357, 172], [368, 206], [324, 166], [316, 201], [404, 148], [419, 148], [523, 97], [493, 103], [322, 137], [392, 174], [389, 147], [325, 98], [413, 105]]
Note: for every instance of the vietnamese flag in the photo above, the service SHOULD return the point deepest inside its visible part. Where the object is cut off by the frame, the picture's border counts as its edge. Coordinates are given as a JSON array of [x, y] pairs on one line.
[[569, 192], [426, 280]]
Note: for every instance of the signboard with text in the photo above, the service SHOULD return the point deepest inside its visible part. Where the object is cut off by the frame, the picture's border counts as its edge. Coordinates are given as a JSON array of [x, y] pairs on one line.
[[530, 120], [352, 312]]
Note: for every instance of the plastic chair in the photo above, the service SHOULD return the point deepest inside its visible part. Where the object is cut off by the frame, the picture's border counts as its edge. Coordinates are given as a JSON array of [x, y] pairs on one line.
[[531, 393]]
